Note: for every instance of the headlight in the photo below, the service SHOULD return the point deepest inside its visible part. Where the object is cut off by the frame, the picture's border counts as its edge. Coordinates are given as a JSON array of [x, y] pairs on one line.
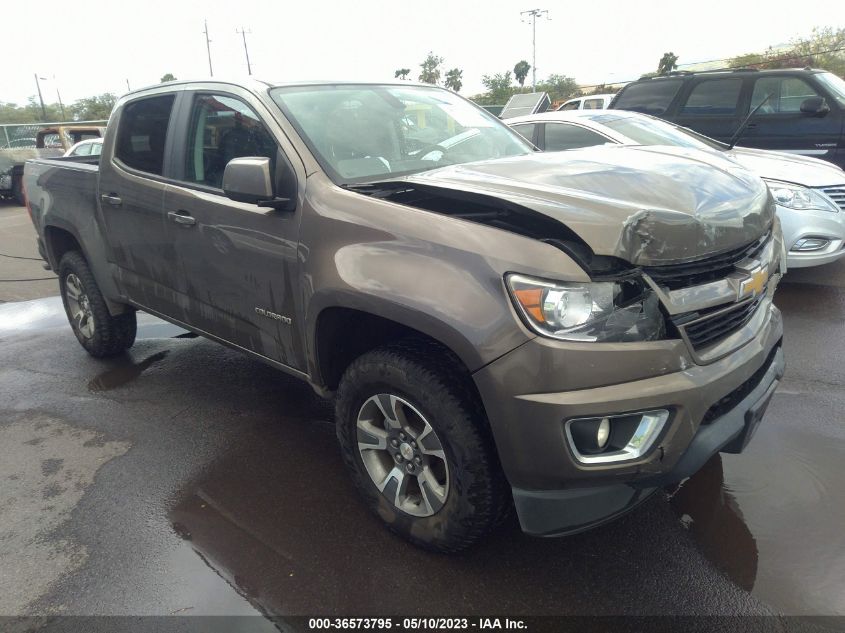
[[599, 311], [798, 197]]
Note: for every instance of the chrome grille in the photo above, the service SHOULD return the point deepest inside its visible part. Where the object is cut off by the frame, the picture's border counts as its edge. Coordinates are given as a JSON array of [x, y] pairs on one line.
[[706, 329], [837, 194]]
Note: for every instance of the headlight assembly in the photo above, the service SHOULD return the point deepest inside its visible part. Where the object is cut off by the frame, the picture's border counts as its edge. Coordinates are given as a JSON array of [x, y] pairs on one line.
[[598, 311], [799, 198]]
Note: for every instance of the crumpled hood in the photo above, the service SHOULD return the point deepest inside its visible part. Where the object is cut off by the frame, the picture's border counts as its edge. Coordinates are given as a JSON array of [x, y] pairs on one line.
[[646, 205], [801, 170]]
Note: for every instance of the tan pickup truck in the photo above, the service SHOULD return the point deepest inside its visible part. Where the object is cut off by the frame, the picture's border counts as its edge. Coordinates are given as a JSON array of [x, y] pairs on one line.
[[50, 141]]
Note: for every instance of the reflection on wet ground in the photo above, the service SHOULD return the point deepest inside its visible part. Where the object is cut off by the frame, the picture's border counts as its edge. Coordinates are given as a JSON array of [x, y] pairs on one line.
[[274, 516]]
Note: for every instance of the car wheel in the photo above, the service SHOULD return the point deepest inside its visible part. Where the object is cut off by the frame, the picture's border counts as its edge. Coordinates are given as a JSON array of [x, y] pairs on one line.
[[416, 442], [100, 333]]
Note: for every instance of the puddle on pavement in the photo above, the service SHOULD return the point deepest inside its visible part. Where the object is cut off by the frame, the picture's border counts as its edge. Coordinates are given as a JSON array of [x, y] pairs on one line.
[[124, 371], [772, 518]]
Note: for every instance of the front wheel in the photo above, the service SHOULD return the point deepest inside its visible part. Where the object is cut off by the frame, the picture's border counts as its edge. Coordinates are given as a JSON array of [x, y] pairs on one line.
[[100, 333], [417, 445]]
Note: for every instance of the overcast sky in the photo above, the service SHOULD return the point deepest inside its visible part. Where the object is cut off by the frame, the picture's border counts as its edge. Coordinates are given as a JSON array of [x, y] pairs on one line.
[[95, 46]]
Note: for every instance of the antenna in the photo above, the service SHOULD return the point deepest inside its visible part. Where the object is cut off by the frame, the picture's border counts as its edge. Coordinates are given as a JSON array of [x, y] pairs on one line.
[[243, 33], [532, 15]]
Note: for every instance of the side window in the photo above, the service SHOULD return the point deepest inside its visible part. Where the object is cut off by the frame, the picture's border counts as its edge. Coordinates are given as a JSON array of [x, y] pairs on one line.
[[560, 136], [593, 104], [714, 96], [83, 150], [96, 149], [572, 105], [526, 130], [649, 97], [787, 93], [142, 133], [223, 128]]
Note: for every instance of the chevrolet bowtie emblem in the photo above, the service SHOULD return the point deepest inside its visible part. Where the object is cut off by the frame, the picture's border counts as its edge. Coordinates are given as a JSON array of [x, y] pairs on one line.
[[754, 284]]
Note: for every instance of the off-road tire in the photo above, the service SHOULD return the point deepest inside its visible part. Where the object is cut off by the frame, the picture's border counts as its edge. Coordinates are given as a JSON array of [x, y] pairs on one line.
[[429, 379], [112, 335]]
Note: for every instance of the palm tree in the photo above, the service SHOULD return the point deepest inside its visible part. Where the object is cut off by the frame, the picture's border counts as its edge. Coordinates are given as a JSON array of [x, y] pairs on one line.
[[520, 71], [454, 79], [668, 63], [402, 73]]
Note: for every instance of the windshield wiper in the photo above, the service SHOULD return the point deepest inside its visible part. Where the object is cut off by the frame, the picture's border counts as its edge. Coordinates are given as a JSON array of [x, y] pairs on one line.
[[376, 189], [742, 126]]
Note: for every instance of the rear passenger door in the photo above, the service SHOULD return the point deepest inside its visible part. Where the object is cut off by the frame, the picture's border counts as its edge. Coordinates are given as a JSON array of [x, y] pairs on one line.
[[713, 106], [131, 189], [780, 125], [238, 260]]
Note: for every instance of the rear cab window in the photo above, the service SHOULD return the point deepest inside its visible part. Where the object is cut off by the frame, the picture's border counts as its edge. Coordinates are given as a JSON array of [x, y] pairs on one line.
[[649, 97], [563, 136], [142, 133], [526, 130]]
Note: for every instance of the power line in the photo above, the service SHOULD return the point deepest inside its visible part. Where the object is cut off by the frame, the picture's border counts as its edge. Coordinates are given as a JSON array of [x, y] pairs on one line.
[[243, 33], [208, 48]]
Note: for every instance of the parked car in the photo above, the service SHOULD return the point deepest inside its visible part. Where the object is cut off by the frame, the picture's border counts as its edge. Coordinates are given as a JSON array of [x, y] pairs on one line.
[[565, 333], [590, 102], [810, 193], [801, 111], [90, 147], [51, 140]]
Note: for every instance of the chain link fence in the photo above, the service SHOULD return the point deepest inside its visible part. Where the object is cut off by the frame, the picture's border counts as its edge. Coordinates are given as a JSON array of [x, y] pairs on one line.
[[23, 135]]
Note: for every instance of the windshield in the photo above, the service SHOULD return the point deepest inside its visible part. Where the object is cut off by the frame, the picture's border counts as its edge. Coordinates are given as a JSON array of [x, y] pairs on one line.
[[835, 86], [648, 131], [362, 133]]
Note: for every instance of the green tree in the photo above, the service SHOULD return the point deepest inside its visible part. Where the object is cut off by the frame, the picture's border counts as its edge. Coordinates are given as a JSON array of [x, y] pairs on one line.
[[167, 77], [454, 79], [559, 87], [520, 71], [824, 48], [401, 73], [667, 63], [499, 89], [430, 73], [93, 108]]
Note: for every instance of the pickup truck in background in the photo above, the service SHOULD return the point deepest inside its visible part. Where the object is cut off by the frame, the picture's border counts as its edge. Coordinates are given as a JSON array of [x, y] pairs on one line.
[[560, 333], [50, 140]]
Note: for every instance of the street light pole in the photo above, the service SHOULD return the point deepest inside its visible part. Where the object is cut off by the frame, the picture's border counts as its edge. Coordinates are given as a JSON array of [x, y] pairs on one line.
[[243, 33], [208, 48], [40, 98], [533, 14]]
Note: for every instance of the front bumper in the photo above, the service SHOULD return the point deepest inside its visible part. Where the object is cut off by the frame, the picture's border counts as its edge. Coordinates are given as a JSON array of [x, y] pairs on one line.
[[800, 224], [554, 493]]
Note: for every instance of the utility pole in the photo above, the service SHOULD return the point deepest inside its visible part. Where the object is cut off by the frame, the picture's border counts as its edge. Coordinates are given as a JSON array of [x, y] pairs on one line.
[[40, 98], [59, 97], [246, 50], [127, 85], [533, 14], [208, 48]]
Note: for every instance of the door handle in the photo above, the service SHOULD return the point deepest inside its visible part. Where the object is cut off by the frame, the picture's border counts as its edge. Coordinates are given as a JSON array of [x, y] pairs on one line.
[[112, 198], [750, 126], [181, 217]]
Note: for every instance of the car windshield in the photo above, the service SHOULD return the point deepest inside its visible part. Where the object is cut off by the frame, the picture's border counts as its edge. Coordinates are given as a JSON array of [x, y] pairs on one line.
[[648, 131], [363, 133], [835, 85]]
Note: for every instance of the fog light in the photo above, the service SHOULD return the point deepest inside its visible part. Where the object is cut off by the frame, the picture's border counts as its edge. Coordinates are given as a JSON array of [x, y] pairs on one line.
[[603, 433], [810, 244], [614, 438]]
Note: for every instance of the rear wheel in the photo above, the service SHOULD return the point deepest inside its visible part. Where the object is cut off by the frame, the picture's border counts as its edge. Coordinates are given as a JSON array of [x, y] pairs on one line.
[[100, 333], [417, 445]]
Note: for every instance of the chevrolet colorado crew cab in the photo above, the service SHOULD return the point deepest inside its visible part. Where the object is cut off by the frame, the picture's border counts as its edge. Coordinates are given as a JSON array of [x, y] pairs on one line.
[[559, 333]]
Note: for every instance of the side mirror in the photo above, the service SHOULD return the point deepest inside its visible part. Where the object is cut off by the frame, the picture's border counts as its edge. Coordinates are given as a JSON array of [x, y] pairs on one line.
[[815, 106], [248, 180]]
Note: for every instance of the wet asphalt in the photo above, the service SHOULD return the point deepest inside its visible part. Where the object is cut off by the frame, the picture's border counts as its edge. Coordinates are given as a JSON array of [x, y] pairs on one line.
[[184, 478]]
